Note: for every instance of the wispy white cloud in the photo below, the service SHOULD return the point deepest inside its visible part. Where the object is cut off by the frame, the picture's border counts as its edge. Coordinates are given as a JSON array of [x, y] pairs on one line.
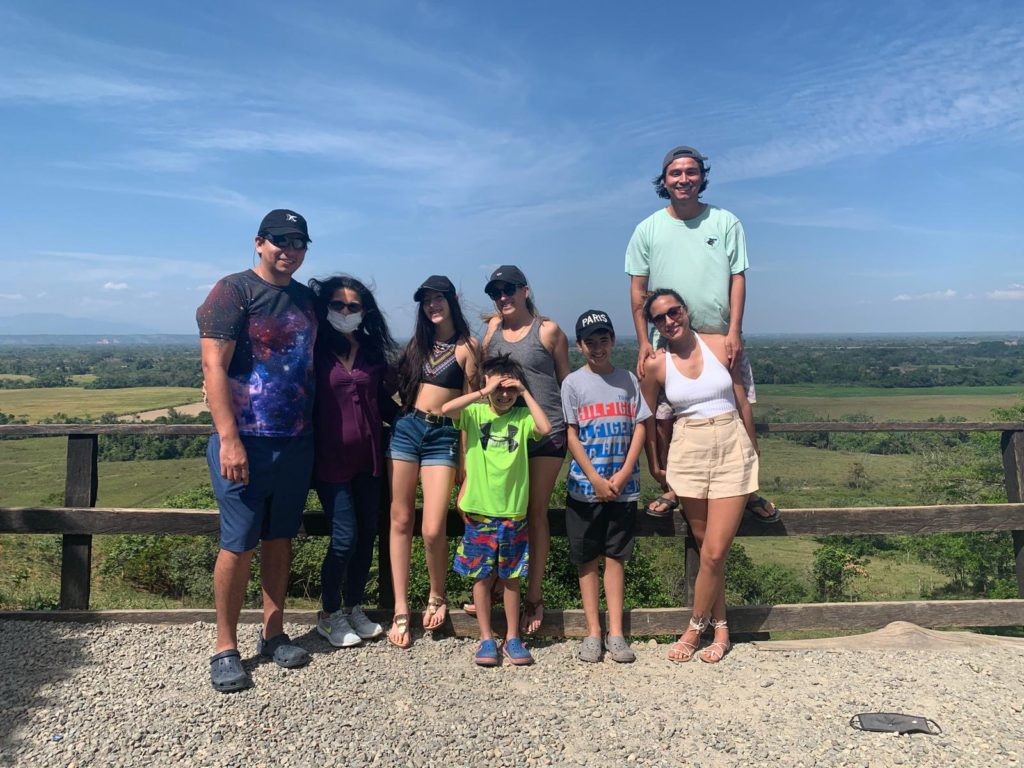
[[928, 85], [949, 293], [65, 87], [111, 286], [12, 297], [1014, 293]]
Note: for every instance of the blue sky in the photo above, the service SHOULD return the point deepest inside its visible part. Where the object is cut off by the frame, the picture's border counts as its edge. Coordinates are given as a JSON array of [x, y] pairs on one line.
[[874, 151]]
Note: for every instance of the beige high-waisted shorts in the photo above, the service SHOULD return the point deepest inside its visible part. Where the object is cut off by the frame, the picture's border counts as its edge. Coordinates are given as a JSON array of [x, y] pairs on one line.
[[711, 458]]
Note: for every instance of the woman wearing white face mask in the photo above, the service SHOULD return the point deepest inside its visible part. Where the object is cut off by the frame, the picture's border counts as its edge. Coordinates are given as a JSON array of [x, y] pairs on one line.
[[355, 382]]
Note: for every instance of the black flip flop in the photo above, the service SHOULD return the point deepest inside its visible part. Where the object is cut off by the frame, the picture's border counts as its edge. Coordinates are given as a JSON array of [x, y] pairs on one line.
[[671, 504]]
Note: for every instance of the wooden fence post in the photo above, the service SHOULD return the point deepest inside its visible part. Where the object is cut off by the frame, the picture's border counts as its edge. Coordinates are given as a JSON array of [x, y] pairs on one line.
[[80, 487], [1012, 444]]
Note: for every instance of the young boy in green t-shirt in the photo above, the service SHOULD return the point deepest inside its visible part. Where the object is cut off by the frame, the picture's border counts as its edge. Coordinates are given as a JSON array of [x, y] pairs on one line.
[[496, 490]]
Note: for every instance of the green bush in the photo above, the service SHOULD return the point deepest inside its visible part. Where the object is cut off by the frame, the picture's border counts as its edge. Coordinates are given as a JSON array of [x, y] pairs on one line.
[[834, 569], [748, 583]]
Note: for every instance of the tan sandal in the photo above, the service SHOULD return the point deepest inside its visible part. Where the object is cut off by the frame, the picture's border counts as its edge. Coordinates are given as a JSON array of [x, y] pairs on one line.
[[715, 652], [401, 624], [435, 605], [683, 650]]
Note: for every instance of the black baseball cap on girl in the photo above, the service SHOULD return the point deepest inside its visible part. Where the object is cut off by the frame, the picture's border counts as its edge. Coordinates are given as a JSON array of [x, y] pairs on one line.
[[506, 273], [438, 283], [281, 221]]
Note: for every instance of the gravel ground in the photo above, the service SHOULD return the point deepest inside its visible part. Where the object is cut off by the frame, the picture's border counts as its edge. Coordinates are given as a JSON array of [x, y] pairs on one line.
[[135, 695]]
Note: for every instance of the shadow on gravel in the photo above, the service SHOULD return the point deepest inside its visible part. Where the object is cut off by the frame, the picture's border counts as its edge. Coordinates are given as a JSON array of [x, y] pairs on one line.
[[34, 656]]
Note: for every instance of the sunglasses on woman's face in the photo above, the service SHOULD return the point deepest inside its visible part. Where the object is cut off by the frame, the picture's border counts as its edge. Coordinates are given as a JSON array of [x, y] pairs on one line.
[[351, 306], [497, 291], [673, 313]]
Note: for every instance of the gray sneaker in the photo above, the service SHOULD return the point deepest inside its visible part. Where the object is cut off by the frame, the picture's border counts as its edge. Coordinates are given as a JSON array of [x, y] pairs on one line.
[[360, 622], [334, 628]]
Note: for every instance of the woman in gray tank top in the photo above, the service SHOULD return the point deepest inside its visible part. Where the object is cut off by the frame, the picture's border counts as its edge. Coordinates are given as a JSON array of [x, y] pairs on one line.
[[542, 349]]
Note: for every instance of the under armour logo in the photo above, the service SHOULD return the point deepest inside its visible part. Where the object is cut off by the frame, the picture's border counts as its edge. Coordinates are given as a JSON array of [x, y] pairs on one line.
[[291, 217], [508, 439], [711, 240]]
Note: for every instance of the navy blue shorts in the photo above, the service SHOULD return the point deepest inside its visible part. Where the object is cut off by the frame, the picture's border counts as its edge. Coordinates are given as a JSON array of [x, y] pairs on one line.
[[271, 505], [417, 440]]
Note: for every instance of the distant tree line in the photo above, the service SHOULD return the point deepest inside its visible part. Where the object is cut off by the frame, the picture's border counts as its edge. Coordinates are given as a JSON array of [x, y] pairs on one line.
[[113, 367], [143, 447], [889, 364]]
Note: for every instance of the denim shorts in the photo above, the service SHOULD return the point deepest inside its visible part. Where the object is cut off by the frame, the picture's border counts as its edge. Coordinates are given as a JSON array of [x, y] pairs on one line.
[[271, 505], [417, 440]]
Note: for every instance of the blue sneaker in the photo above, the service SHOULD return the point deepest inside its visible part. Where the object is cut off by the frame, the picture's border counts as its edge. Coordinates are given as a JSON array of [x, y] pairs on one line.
[[486, 653], [517, 653]]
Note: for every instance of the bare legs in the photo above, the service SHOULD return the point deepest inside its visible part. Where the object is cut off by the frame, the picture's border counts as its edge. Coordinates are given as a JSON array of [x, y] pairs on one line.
[[231, 574], [482, 589], [714, 523], [437, 488], [544, 472], [614, 594]]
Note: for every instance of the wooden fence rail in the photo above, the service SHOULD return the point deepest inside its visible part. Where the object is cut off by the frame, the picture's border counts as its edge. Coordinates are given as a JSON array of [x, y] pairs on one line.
[[79, 519]]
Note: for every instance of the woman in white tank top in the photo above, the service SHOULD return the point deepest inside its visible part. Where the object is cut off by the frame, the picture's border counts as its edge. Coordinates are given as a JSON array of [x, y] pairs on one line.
[[712, 460]]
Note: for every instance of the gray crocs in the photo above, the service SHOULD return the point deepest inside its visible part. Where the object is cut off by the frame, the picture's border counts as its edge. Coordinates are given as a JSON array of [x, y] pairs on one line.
[[281, 649], [227, 673], [590, 649], [619, 649]]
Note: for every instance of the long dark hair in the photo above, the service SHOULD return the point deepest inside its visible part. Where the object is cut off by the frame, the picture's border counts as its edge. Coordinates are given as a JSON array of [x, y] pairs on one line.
[[410, 367], [373, 335]]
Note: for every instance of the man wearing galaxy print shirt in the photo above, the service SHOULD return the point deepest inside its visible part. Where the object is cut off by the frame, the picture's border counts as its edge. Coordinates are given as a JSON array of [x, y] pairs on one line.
[[257, 329]]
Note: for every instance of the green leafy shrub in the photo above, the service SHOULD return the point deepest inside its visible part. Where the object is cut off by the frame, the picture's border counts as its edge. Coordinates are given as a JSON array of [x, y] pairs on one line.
[[834, 569], [749, 583]]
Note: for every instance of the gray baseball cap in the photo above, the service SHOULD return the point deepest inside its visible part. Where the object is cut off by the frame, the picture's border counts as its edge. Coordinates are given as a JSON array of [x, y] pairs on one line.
[[683, 151]]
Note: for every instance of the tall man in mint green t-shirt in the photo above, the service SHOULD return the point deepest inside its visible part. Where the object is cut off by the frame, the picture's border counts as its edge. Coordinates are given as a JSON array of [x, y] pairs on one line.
[[696, 249], [700, 252]]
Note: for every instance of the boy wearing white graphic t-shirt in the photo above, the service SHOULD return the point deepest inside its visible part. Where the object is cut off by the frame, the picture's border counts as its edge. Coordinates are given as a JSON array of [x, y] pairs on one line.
[[604, 413]]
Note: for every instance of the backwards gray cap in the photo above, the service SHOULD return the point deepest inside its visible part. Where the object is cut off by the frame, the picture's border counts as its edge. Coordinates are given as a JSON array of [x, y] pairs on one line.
[[683, 151]]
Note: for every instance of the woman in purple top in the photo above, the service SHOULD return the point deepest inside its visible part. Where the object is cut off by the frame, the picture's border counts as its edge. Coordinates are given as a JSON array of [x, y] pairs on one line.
[[354, 388]]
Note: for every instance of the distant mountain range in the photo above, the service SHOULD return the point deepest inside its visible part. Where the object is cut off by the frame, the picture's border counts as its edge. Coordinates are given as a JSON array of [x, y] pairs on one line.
[[35, 323], [44, 329]]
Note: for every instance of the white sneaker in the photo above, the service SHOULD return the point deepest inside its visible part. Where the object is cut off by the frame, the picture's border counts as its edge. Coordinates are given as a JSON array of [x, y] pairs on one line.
[[334, 628], [365, 628]]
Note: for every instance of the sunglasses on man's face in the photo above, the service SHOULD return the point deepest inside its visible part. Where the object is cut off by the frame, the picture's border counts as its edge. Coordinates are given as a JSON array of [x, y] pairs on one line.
[[674, 313], [351, 306], [497, 291], [284, 241]]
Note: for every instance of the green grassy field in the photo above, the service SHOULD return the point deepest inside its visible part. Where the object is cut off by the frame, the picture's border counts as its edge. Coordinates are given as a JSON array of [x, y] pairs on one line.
[[36, 404], [972, 403], [32, 473], [795, 476]]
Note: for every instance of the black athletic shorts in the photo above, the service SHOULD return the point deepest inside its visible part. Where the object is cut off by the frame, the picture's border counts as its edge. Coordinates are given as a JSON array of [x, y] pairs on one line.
[[599, 528]]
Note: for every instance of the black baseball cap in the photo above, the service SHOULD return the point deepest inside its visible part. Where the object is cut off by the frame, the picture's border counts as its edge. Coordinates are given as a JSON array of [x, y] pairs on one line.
[[683, 151], [507, 273], [592, 321], [438, 283], [281, 221]]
